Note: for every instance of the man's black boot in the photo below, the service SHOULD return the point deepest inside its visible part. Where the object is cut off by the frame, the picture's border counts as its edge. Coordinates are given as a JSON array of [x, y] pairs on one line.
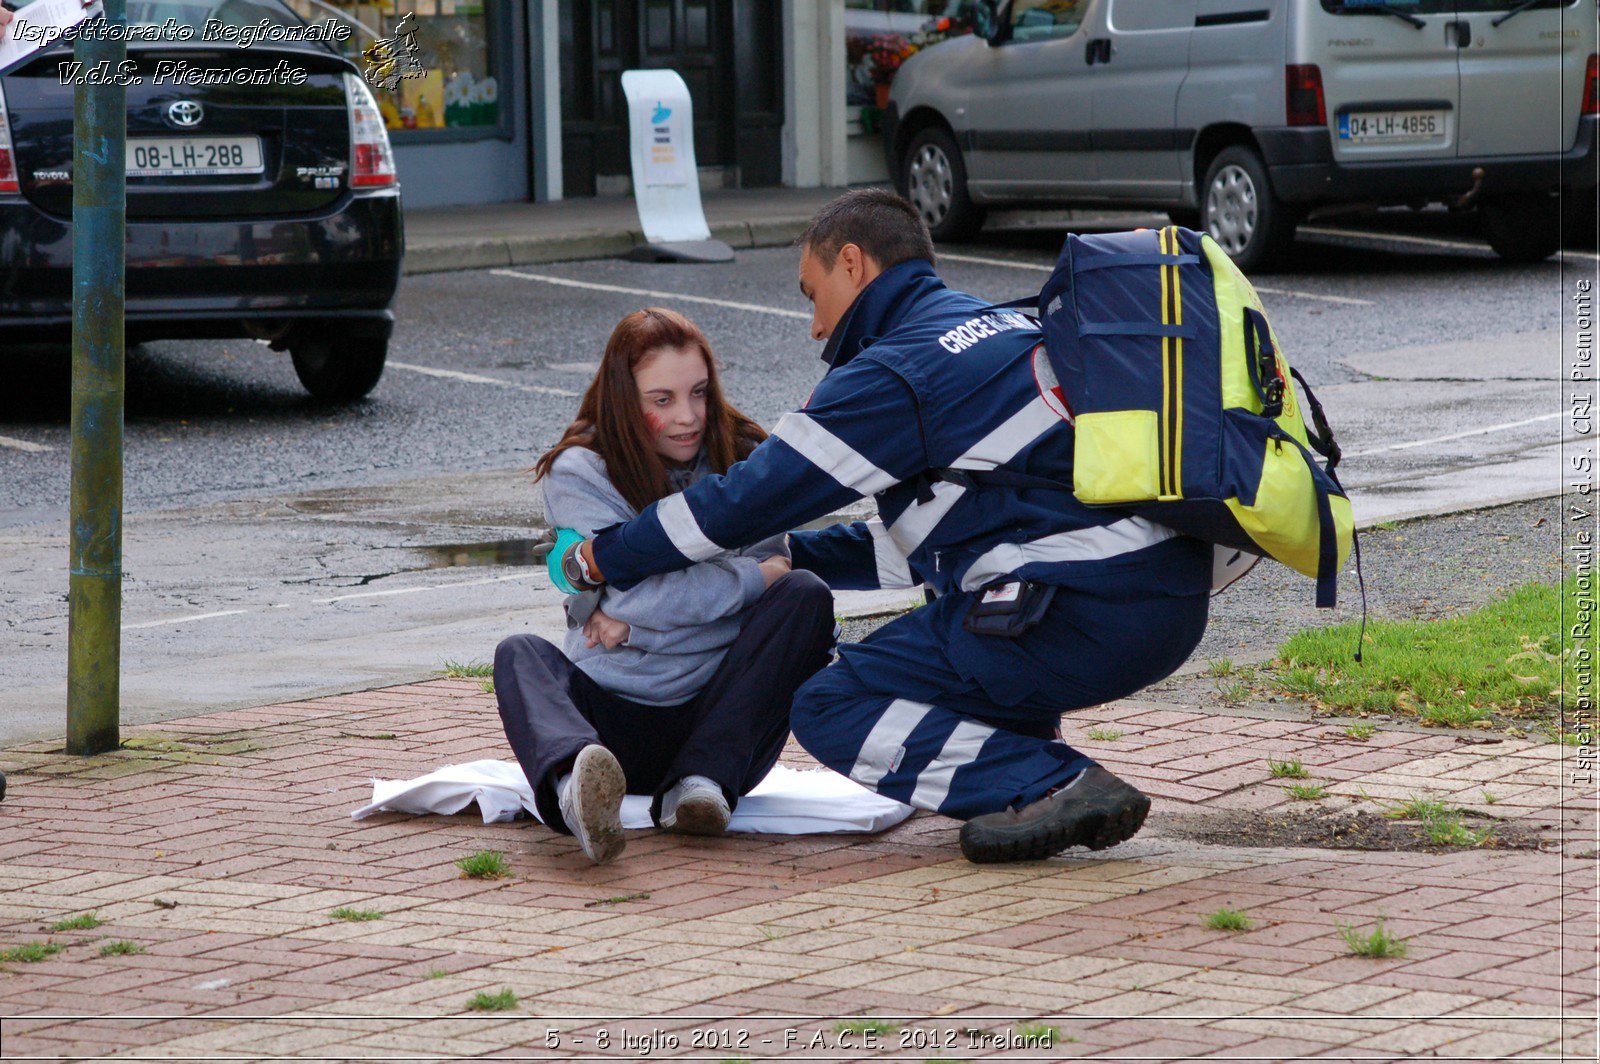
[[1095, 809]]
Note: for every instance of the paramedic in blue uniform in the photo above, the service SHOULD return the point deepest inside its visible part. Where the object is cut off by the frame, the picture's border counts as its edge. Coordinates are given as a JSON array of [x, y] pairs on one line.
[[1042, 605]]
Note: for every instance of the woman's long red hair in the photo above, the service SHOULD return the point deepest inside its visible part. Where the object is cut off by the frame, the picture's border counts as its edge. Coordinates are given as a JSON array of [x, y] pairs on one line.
[[611, 419]]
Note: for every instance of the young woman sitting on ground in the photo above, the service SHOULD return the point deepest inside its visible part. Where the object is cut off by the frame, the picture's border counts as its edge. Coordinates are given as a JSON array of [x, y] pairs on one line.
[[680, 686]]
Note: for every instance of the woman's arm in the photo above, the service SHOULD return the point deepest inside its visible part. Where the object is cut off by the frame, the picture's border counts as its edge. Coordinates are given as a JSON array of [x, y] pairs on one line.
[[578, 495]]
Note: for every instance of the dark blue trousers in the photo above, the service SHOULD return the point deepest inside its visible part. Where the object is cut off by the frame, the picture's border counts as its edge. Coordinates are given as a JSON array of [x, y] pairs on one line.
[[962, 724], [731, 732]]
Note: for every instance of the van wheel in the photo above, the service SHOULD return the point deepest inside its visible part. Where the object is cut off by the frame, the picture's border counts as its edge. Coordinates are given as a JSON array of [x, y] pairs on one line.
[[1522, 228], [933, 178], [339, 369], [1241, 212]]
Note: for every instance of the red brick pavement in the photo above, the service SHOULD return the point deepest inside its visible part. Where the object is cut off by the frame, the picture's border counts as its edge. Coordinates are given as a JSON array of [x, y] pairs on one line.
[[219, 846]]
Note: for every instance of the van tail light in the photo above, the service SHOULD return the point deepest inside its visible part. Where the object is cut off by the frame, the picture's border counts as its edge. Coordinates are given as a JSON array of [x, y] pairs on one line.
[[371, 157], [1591, 86], [1303, 95], [8, 155]]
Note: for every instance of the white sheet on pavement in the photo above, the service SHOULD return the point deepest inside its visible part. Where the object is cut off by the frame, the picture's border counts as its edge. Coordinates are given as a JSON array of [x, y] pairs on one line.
[[788, 802]]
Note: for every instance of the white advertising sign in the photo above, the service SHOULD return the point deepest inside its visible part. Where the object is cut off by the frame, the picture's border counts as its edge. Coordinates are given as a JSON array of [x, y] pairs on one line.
[[666, 182]]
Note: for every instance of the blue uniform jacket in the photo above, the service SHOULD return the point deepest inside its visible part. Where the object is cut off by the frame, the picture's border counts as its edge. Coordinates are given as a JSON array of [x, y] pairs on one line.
[[920, 377]]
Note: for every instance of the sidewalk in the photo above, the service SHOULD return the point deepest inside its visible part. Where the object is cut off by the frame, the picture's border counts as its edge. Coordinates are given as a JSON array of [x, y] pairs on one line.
[[514, 234], [596, 227], [218, 847]]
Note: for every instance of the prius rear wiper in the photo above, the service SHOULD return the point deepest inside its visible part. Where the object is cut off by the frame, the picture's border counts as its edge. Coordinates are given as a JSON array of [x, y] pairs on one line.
[[1377, 7]]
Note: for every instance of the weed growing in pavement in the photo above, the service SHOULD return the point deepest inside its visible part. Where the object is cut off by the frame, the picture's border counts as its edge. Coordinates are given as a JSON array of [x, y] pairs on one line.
[[355, 916], [483, 1001], [1375, 943], [1440, 821], [865, 1026], [1038, 1034], [1234, 693], [1219, 667], [438, 973], [485, 864], [120, 949], [487, 687], [1496, 661], [1418, 808], [1228, 920], [1360, 732], [1490, 799], [1307, 792], [81, 922], [1385, 526], [1291, 769], [1104, 735], [29, 952], [1450, 831], [463, 670]]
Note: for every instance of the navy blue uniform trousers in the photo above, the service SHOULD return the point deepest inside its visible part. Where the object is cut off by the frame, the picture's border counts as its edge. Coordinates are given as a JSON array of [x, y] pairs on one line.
[[963, 724], [731, 732]]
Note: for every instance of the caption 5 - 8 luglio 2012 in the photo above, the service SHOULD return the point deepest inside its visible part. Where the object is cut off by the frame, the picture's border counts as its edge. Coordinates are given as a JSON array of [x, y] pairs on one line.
[[841, 1040]]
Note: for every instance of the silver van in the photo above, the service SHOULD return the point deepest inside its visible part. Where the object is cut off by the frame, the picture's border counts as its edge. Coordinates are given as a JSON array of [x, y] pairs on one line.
[[1241, 117]]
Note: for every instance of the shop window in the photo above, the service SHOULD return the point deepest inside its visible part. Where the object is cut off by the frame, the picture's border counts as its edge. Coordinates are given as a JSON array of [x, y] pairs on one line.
[[882, 34], [461, 87]]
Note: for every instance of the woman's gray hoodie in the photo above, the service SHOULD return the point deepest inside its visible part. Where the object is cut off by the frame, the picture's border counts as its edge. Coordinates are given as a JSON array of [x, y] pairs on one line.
[[680, 623]]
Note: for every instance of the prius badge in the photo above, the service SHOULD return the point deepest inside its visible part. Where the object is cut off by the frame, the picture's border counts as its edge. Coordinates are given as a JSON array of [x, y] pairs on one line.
[[185, 113]]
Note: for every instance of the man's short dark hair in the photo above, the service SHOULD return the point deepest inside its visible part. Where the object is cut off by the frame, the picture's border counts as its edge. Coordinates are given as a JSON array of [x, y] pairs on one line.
[[876, 220]]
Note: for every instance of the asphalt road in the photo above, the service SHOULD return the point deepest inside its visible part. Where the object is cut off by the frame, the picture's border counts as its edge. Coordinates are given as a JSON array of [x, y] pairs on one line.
[[275, 548]]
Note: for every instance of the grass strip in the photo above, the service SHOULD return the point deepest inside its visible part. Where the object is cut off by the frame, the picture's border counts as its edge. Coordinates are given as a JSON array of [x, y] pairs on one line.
[[1504, 658]]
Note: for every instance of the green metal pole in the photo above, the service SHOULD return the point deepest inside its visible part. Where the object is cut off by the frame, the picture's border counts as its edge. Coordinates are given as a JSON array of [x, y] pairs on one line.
[[99, 197]]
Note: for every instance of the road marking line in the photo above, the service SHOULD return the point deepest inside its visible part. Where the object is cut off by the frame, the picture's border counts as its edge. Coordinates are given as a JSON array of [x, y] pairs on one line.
[[184, 620], [1433, 241], [1349, 300], [477, 378], [1455, 435], [597, 287], [425, 587], [982, 261], [23, 445]]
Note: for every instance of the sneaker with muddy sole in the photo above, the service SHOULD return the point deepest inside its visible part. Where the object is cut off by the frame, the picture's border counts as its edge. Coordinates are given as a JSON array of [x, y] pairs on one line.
[[695, 806], [591, 803], [1095, 809]]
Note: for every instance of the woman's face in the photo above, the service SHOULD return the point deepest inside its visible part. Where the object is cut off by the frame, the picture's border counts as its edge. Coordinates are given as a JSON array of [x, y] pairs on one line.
[[672, 390]]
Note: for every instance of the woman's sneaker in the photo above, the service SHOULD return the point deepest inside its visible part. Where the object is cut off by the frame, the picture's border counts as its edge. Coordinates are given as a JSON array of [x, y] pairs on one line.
[[695, 806], [591, 803], [1093, 809]]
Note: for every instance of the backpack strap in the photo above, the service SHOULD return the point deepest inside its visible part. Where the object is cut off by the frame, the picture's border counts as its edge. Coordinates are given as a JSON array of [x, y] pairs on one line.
[[1327, 554], [1322, 439]]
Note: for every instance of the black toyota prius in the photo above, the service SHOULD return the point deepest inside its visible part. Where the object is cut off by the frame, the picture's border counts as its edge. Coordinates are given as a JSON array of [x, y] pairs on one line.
[[262, 199]]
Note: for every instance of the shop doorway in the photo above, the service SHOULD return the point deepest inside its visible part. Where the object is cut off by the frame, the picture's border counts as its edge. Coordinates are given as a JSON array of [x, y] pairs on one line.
[[729, 53]]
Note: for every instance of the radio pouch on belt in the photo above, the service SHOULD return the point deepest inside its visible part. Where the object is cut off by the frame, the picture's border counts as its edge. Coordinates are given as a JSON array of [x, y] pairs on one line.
[[1008, 609]]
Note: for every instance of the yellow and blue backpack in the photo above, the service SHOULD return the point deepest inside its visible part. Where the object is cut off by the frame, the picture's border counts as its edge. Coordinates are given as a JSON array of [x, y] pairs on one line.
[[1182, 406]]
